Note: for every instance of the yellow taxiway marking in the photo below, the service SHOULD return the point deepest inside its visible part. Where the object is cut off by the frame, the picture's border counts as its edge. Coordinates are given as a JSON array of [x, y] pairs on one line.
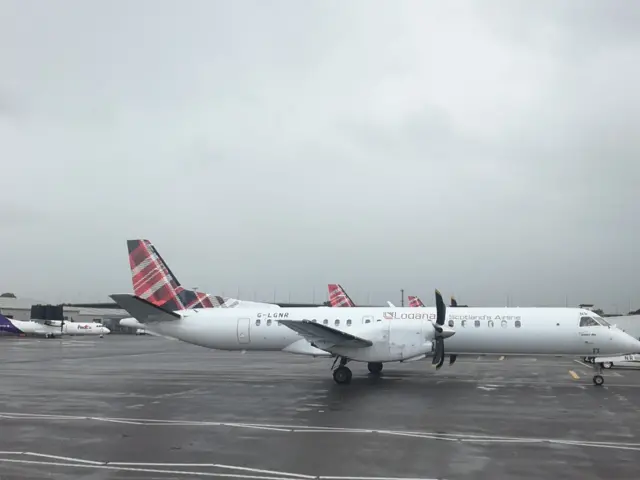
[[501, 358], [574, 375]]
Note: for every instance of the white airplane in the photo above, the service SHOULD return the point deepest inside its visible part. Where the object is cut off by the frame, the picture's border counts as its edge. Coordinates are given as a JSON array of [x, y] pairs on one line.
[[376, 335], [51, 328]]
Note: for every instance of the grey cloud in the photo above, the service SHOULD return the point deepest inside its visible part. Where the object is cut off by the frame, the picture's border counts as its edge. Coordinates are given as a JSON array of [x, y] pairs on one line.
[[486, 149]]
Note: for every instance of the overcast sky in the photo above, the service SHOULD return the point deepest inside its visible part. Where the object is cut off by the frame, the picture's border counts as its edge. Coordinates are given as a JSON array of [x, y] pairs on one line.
[[483, 148]]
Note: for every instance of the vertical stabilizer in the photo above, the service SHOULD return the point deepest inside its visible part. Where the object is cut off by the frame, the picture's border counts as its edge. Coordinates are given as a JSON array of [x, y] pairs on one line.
[[338, 297], [415, 301], [154, 281]]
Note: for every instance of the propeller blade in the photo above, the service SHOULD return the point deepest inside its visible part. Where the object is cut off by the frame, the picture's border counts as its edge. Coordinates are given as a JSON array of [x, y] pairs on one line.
[[452, 359], [438, 355], [441, 309], [454, 303]]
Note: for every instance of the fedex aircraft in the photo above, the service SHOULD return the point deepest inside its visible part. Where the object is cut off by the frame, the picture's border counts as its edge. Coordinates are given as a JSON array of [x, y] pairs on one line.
[[376, 335], [51, 328]]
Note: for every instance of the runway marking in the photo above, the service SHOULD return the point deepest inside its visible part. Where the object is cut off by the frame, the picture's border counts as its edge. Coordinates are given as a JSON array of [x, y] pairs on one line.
[[144, 467], [302, 429], [574, 375]]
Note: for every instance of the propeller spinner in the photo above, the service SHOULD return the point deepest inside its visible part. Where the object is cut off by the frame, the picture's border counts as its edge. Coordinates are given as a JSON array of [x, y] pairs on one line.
[[441, 331]]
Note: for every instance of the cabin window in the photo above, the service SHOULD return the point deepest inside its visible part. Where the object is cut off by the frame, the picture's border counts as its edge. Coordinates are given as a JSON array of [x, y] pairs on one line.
[[451, 323], [325, 322], [518, 324], [368, 320], [379, 320], [477, 323], [503, 323], [490, 323], [268, 322], [258, 323], [588, 322], [463, 323], [348, 322], [337, 322]]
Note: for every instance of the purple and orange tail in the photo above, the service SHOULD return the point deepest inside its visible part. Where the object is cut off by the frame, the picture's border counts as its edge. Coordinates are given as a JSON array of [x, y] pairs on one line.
[[155, 282], [338, 297], [414, 301]]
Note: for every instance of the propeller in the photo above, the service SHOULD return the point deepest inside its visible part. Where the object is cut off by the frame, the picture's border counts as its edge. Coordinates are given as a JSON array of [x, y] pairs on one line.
[[454, 303], [441, 331]]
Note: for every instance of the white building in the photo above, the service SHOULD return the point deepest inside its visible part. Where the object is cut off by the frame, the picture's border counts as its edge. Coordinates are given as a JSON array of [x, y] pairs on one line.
[[20, 309]]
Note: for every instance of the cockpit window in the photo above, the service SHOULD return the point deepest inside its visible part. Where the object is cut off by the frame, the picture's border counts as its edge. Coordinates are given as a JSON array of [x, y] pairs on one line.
[[602, 321], [588, 322]]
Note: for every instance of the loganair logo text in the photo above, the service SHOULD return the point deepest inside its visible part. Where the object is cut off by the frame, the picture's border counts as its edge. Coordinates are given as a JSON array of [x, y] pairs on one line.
[[273, 315], [84, 327], [412, 316]]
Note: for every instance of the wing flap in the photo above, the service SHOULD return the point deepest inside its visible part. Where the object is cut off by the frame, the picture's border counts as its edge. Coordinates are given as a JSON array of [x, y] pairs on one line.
[[317, 333], [143, 310]]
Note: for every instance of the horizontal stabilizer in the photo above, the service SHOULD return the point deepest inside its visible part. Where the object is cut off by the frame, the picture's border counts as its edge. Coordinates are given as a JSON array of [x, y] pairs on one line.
[[143, 310], [317, 333]]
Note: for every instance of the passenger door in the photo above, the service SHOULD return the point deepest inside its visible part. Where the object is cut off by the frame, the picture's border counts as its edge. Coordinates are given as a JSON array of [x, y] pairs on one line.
[[243, 330]]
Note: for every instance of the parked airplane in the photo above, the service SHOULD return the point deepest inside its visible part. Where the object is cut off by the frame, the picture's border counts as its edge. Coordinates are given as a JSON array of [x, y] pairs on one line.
[[51, 328], [376, 335]]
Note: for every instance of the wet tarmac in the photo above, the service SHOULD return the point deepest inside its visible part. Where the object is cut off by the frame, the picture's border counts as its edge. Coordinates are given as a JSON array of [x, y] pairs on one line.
[[127, 407]]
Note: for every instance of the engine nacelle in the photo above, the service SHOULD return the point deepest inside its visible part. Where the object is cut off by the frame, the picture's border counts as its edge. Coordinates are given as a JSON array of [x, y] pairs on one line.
[[395, 341]]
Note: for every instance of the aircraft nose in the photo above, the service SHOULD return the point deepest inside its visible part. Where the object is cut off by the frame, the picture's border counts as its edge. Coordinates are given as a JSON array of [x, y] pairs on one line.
[[105, 330]]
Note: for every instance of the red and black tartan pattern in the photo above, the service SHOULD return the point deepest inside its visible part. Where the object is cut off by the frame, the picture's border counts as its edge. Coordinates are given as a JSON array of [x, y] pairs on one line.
[[338, 297], [153, 280], [415, 301]]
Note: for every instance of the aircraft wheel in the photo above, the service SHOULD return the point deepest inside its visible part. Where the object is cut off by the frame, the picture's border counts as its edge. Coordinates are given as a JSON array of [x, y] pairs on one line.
[[598, 380], [342, 375], [607, 364], [375, 367]]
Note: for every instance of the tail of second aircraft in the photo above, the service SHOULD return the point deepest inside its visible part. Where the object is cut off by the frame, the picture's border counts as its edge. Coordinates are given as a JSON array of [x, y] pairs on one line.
[[338, 297], [155, 282]]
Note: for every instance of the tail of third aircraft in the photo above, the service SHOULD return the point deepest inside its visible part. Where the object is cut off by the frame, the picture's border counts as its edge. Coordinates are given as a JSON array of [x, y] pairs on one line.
[[155, 282], [415, 301]]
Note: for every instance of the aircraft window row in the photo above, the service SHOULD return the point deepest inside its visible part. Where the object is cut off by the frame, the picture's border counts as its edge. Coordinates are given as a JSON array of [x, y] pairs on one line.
[[324, 322], [490, 323]]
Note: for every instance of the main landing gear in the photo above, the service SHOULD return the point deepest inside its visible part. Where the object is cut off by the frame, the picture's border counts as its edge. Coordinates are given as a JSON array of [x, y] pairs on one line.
[[375, 367], [342, 374]]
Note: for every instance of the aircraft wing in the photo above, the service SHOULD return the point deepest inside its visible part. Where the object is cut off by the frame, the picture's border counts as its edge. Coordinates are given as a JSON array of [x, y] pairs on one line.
[[316, 333], [143, 310]]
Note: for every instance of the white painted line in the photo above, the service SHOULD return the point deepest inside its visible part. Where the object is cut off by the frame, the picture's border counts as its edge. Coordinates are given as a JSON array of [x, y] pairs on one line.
[[584, 364], [258, 427], [146, 470], [213, 465], [11, 453], [56, 457], [111, 420], [322, 477]]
